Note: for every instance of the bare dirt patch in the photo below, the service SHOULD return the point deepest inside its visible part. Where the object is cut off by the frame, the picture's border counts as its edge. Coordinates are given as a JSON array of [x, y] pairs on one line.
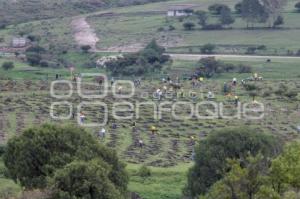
[[83, 33]]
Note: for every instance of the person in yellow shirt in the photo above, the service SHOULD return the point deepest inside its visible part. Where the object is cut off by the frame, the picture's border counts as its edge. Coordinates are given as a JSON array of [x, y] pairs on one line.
[[153, 129], [236, 100]]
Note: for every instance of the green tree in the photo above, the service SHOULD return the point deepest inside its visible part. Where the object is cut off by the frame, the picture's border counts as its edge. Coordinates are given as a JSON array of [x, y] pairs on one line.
[[208, 48], [285, 169], [211, 154], [34, 54], [253, 12], [87, 180], [148, 60], [38, 152], [225, 17], [238, 8], [297, 6], [246, 179], [217, 8], [273, 8], [144, 172], [279, 21], [202, 17], [33, 59], [189, 26], [8, 65], [86, 48]]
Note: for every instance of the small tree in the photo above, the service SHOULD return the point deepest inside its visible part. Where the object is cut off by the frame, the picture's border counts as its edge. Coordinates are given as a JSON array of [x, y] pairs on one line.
[[202, 16], [285, 168], [226, 18], [216, 8], [81, 179], [8, 65], [85, 48], [208, 48], [188, 25], [38, 153], [144, 172], [33, 59], [253, 12], [279, 21], [297, 6], [238, 8], [212, 153]]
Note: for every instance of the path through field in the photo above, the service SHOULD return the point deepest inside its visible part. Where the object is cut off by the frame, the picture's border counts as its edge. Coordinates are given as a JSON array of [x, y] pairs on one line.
[[84, 34], [194, 57]]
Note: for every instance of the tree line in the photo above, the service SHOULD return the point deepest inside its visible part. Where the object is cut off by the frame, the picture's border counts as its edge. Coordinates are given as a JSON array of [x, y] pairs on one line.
[[251, 11], [242, 163]]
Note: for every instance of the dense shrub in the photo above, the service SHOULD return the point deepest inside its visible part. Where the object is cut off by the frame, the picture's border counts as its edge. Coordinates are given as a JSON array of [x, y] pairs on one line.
[[225, 17], [216, 8], [85, 48], [33, 59], [212, 153], [34, 54], [150, 59], [202, 17], [244, 69], [261, 47], [251, 87], [238, 8], [282, 88], [189, 26], [208, 48], [144, 172], [291, 94], [279, 21], [297, 6], [213, 27], [38, 153], [251, 50], [81, 179], [8, 65], [209, 66], [35, 49], [171, 28]]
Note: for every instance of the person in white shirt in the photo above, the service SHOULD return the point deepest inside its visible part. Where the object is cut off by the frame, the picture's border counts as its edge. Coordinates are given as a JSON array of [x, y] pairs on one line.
[[102, 133]]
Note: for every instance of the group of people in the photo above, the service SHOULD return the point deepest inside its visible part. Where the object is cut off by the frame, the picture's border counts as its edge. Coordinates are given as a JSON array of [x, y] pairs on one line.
[[228, 90]]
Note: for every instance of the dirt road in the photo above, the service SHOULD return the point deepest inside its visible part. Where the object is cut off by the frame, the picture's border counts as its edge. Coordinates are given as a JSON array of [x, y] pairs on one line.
[[84, 34], [194, 57]]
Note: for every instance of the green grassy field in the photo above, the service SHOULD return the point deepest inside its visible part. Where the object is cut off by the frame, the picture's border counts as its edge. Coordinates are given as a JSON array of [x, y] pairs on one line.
[[132, 28], [26, 101], [164, 183], [169, 153]]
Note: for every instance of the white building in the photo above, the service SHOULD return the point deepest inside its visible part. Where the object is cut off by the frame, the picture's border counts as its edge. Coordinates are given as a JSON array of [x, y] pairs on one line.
[[179, 10], [103, 60], [19, 42]]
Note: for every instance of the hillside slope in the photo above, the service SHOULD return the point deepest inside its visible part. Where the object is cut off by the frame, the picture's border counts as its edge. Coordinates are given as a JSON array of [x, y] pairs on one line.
[[18, 11]]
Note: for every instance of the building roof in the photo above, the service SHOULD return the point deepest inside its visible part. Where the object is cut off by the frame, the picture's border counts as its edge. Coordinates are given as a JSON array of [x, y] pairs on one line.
[[181, 6]]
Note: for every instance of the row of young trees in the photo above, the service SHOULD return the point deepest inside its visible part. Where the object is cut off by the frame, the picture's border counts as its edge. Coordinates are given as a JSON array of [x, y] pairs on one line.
[[225, 18], [251, 11], [262, 11], [209, 67]]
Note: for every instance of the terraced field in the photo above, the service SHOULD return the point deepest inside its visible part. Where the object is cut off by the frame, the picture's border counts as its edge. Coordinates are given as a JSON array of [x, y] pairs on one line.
[[27, 103]]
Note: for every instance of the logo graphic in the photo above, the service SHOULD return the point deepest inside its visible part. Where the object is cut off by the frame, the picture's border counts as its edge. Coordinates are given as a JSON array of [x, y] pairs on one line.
[[123, 103]]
